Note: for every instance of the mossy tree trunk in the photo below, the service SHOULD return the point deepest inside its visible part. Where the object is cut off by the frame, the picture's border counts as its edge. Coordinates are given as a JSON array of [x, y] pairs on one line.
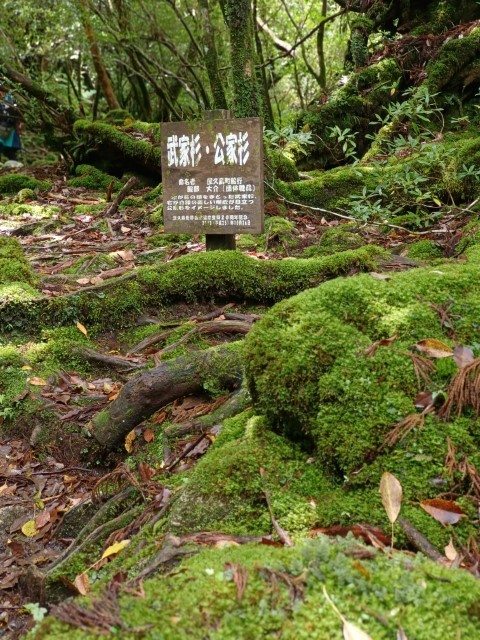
[[238, 17]]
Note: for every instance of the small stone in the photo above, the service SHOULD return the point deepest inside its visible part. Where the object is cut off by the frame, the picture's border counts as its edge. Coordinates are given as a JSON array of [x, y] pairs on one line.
[[13, 164]]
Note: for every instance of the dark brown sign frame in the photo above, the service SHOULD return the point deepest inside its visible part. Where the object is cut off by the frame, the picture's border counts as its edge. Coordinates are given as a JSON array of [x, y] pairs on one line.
[[212, 172]]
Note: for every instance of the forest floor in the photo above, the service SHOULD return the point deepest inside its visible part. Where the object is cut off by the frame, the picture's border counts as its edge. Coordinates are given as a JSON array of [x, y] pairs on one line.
[[72, 246]]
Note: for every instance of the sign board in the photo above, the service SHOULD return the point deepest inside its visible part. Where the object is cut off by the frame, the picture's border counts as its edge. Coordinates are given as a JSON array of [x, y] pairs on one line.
[[212, 172]]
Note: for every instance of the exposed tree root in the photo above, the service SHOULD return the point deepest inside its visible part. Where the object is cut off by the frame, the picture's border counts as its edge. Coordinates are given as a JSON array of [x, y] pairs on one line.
[[146, 393]]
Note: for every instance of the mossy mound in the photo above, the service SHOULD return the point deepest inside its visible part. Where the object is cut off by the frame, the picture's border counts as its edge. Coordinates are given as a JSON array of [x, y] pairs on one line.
[[335, 239], [13, 264], [424, 250], [312, 370], [225, 490], [280, 165], [15, 182], [37, 211], [305, 367], [284, 596], [91, 178]]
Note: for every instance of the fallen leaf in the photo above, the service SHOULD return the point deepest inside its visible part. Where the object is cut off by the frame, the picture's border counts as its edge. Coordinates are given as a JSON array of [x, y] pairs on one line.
[[148, 434], [463, 356], [82, 584], [424, 400], [37, 382], [129, 439], [81, 328], [7, 490], [391, 491], [42, 519], [444, 511], [351, 632], [83, 281], [380, 276], [124, 229], [450, 552], [115, 548], [26, 368], [29, 529], [126, 255], [434, 348]]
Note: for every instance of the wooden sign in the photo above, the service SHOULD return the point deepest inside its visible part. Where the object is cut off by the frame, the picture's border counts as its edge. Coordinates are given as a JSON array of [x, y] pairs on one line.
[[212, 172]]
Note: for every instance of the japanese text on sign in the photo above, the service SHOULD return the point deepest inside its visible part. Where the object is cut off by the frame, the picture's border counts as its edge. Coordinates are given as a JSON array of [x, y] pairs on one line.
[[230, 149]]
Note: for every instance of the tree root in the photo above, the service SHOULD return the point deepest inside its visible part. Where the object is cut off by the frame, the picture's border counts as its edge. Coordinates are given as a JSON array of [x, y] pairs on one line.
[[142, 396]]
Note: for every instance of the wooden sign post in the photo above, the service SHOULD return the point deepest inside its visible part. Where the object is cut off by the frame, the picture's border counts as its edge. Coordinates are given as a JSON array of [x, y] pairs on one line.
[[212, 172]]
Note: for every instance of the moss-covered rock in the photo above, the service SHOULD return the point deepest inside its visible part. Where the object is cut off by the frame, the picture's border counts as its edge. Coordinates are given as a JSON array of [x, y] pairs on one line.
[[15, 182], [424, 250]]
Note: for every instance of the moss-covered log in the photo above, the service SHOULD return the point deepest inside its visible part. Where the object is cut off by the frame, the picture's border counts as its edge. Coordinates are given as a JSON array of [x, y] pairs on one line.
[[213, 369], [217, 275], [134, 146]]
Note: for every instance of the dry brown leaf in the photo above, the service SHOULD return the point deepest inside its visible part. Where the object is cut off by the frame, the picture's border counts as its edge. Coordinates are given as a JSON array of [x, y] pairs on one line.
[[83, 281], [463, 356], [81, 328], [129, 439], [37, 382], [444, 511], [450, 552], [391, 491], [7, 490], [82, 584], [42, 519], [434, 348], [148, 434]]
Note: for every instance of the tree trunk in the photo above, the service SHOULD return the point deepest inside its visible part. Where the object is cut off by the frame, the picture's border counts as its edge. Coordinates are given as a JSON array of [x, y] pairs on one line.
[[211, 57], [103, 77], [238, 17]]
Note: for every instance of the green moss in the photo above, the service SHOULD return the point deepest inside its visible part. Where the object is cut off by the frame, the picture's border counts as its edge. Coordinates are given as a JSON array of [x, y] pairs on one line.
[[11, 248], [280, 165], [32, 210], [350, 108], [13, 270], [154, 194], [92, 178], [200, 598], [15, 182], [225, 490], [168, 239], [118, 116], [25, 195], [308, 373], [118, 140], [424, 250], [335, 239], [200, 277]]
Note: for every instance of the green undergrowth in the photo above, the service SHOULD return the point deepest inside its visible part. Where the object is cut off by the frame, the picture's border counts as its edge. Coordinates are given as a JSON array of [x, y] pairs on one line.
[[206, 277], [286, 596]]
